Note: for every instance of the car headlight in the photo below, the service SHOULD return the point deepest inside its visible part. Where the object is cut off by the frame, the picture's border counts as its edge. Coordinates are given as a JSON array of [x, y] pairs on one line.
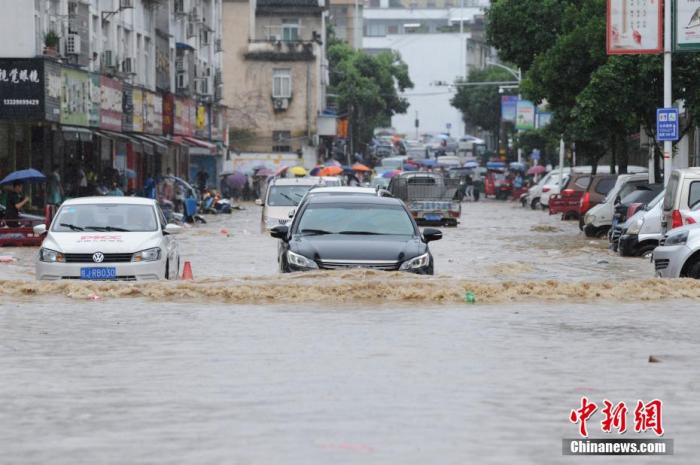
[[50, 256], [677, 238], [420, 261], [300, 261], [636, 227], [588, 219], [148, 255]]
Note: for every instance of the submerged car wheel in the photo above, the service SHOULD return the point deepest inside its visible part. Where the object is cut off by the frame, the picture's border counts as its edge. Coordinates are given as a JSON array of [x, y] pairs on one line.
[[692, 269], [645, 250], [534, 203]]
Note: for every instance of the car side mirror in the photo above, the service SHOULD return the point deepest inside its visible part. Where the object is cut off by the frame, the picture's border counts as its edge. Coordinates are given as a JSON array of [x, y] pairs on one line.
[[431, 234], [259, 202], [280, 232], [172, 229], [40, 229]]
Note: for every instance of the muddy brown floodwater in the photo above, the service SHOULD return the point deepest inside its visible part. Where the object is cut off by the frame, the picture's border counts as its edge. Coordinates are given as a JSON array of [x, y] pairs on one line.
[[245, 366]]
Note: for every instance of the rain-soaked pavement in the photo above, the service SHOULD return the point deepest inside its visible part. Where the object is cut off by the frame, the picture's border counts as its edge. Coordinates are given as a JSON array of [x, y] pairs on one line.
[[244, 366]]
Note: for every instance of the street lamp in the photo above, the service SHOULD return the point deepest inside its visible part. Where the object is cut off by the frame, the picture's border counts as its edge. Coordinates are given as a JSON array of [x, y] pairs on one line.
[[519, 77]]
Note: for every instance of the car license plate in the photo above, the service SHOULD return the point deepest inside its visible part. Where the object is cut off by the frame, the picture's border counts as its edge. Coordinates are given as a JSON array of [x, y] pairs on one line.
[[433, 217], [98, 273]]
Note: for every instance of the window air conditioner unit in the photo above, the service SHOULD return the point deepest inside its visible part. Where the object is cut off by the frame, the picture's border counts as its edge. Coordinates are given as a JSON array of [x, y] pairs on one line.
[[280, 104], [190, 30], [204, 37], [129, 65], [73, 44], [219, 46], [194, 15], [124, 4]]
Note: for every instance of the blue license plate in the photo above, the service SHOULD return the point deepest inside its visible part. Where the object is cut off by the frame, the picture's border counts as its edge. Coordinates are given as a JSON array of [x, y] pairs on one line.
[[98, 273], [433, 217]]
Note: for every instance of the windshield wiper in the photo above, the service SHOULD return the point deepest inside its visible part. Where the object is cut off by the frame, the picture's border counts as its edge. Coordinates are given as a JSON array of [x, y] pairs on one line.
[[294, 201], [106, 228], [72, 227], [314, 232], [362, 233]]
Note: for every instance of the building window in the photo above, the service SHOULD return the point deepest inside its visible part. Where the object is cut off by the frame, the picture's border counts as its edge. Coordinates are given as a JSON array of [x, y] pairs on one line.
[[394, 29], [374, 3], [281, 83], [376, 30], [290, 30], [281, 141]]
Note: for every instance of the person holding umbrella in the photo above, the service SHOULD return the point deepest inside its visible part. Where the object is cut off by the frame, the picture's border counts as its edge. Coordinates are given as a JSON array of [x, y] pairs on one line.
[[16, 200]]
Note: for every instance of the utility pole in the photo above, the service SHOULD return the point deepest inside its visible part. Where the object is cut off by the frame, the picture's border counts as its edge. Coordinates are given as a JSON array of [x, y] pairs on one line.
[[668, 98]]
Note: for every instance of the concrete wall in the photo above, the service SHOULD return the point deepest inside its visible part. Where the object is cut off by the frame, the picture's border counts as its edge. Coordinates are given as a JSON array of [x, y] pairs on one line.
[[17, 23]]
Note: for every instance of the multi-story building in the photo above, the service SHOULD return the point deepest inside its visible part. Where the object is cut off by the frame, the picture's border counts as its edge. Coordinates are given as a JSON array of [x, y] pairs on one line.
[[274, 56], [346, 18], [120, 88]]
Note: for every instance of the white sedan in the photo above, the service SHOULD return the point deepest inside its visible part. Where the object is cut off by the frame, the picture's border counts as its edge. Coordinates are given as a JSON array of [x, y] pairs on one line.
[[108, 238]]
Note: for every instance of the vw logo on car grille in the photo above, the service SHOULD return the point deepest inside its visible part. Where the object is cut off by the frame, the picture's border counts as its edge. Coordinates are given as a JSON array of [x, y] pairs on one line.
[[98, 257]]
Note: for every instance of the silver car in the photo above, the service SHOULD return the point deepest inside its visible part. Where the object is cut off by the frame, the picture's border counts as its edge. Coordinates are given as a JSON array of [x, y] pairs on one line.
[[678, 256]]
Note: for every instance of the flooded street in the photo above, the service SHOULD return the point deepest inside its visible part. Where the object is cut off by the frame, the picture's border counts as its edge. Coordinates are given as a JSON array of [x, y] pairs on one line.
[[246, 366]]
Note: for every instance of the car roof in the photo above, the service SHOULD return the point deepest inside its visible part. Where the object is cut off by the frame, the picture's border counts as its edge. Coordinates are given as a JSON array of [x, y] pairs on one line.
[[110, 200], [343, 190], [357, 199], [307, 181]]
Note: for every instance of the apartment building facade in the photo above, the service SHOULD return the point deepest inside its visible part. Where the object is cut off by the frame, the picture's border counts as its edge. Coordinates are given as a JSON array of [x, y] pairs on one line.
[[119, 86], [275, 57]]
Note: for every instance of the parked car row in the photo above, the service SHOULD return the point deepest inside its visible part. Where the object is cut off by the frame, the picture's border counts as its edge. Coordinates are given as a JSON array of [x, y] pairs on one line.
[[639, 218]]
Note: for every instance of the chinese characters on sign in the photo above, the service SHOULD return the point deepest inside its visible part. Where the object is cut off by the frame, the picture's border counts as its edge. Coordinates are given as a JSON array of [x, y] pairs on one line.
[[22, 89], [667, 124], [635, 26], [647, 416]]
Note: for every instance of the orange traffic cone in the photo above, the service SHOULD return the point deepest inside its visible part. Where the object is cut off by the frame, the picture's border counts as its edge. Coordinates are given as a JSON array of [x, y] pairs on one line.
[[187, 271]]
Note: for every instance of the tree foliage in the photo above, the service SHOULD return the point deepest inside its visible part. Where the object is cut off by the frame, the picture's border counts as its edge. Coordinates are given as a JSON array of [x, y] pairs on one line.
[[367, 87], [598, 100], [480, 105]]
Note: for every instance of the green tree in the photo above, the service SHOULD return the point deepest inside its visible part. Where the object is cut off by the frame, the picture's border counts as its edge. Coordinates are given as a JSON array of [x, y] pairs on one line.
[[480, 105], [368, 88]]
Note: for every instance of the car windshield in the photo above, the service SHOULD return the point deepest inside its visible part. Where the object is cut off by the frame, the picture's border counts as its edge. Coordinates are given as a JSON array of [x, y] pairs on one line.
[[106, 218], [286, 196], [355, 219]]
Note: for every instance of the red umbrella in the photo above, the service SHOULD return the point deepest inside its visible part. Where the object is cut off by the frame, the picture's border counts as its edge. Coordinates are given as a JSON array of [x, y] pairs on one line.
[[360, 167], [537, 169]]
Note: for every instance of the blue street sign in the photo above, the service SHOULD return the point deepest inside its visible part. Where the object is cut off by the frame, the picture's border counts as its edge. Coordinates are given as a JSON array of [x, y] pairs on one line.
[[667, 124], [535, 155]]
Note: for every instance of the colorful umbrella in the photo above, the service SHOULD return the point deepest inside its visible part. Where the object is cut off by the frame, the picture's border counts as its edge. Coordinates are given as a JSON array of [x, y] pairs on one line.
[[331, 171], [428, 162], [265, 172], [537, 169], [236, 180], [30, 175], [471, 164], [315, 171], [360, 167], [332, 163], [390, 174], [298, 171]]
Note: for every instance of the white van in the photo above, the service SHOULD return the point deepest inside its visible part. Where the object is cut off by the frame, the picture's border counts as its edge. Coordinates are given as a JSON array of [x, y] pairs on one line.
[[282, 197], [682, 196]]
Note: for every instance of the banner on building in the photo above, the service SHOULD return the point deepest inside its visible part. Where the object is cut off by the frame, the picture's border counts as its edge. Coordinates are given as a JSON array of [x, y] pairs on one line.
[[152, 113], [686, 29], [111, 104], [525, 115], [95, 101], [509, 104], [185, 116], [75, 99], [53, 88], [634, 27], [137, 109], [168, 114], [127, 108], [21, 89]]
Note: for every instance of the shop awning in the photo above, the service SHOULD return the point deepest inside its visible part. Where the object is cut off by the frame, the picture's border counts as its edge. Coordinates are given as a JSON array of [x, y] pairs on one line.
[[120, 136], [202, 144], [76, 133], [151, 145]]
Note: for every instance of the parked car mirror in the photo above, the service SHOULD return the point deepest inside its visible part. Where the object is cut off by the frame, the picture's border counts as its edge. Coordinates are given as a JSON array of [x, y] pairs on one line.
[[431, 234], [280, 232], [259, 202], [171, 228], [40, 229]]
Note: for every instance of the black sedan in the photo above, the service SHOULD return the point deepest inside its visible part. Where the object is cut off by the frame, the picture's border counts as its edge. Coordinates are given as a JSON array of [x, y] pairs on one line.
[[340, 232]]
